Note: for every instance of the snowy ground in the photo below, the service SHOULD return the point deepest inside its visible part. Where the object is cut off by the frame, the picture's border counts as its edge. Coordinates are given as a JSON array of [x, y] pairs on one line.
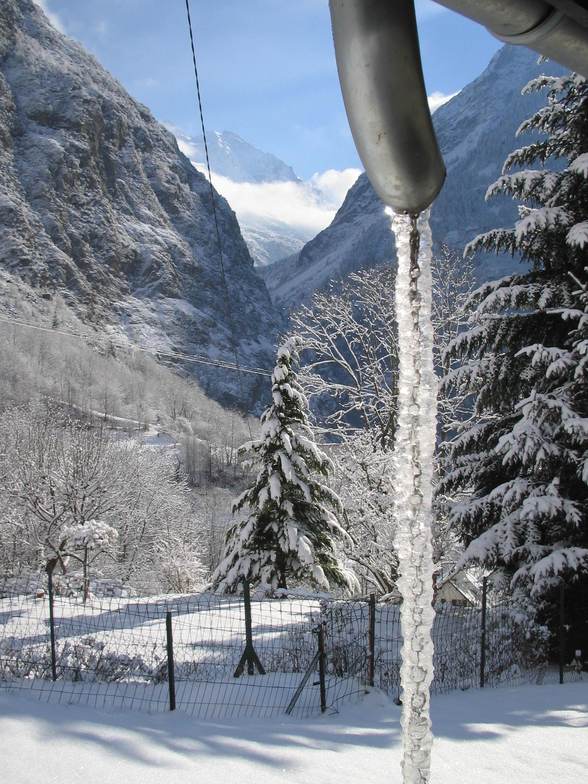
[[525, 735]]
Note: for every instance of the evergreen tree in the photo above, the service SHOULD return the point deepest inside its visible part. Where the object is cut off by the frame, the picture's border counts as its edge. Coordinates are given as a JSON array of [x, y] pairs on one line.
[[518, 468], [287, 520]]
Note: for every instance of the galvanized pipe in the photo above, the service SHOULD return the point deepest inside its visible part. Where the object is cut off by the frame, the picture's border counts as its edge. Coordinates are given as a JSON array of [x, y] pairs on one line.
[[378, 59], [537, 24], [502, 17], [379, 65]]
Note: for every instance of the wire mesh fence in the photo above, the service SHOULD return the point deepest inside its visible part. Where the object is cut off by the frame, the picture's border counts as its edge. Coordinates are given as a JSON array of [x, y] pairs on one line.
[[229, 656]]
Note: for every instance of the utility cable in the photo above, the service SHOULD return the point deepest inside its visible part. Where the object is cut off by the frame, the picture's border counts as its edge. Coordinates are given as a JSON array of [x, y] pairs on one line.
[[213, 201], [153, 350]]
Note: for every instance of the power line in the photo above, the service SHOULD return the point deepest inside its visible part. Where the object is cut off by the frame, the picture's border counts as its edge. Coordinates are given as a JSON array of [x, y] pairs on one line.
[[152, 350], [214, 210]]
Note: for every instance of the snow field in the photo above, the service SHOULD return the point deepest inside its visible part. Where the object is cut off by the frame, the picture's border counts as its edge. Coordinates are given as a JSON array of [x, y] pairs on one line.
[[521, 735]]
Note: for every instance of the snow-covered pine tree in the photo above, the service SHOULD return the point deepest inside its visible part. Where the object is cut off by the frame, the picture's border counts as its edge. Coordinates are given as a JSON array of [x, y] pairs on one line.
[[518, 468], [287, 522]]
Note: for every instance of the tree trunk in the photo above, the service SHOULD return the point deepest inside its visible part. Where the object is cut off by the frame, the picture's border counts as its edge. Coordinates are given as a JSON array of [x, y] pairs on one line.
[[281, 567], [86, 579]]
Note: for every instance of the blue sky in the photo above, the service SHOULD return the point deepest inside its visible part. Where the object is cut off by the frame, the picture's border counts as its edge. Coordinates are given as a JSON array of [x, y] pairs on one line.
[[267, 67]]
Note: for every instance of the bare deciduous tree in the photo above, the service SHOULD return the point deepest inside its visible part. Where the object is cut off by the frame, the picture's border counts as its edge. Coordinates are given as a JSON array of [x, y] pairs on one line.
[[58, 476], [349, 341]]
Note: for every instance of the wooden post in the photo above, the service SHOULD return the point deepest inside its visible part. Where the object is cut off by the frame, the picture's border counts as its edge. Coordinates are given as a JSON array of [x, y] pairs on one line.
[[322, 667], [483, 633], [50, 567], [249, 656], [371, 639], [171, 675]]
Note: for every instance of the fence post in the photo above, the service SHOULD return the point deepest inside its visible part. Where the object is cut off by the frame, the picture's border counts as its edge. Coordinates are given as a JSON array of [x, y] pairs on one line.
[[322, 667], [483, 634], [248, 624], [171, 675], [371, 639], [562, 631], [49, 568], [302, 684], [249, 656]]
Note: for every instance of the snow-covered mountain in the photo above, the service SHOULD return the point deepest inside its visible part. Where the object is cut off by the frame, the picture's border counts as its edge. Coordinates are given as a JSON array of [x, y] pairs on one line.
[[233, 157], [476, 130], [242, 173], [98, 204], [278, 212], [270, 240]]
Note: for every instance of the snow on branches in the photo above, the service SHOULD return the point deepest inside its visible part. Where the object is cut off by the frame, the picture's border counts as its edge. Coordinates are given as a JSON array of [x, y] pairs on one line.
[[552, 220], [85, 542], [92, 535], [349, 371], [517, 468], [76, 492], [287, 521]]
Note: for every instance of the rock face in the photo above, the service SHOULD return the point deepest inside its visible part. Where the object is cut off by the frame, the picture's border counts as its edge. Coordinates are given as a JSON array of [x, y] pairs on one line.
[[270, 241], [476, 131], [98, 203]]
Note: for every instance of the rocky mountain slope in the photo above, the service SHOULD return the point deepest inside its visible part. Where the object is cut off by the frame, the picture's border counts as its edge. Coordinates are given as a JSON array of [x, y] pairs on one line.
[[268, 197], [98, 205], [270, 241], [476, 131]]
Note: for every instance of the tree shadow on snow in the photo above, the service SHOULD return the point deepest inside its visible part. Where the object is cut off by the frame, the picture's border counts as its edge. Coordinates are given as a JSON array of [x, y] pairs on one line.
[[162, 740], [141, 737], [491, 713]]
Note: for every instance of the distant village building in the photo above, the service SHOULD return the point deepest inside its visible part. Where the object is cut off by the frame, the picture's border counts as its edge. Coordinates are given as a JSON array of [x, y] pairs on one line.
[[460, 589]]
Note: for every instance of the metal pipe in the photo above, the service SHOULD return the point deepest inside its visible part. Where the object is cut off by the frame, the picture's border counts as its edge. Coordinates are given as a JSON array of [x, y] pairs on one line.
[[379, 65], [502, 17], [539, 25]]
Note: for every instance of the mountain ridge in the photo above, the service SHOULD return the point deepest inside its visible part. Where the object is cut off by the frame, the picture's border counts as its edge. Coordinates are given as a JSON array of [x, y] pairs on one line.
[[98, 204]]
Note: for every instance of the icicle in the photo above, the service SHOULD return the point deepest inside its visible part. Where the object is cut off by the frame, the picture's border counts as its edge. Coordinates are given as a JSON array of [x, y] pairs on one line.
[[413, 476]]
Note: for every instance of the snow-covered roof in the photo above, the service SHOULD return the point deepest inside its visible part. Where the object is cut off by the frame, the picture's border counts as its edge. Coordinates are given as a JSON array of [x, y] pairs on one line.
[[465, 584]]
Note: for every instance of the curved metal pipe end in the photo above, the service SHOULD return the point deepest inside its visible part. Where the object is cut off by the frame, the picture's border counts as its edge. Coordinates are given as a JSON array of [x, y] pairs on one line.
[[554, 28], [557, 36], [380, 71]]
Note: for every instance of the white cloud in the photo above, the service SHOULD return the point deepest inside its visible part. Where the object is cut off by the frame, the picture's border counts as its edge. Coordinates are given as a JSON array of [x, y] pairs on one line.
[[189, 150], [437, 99], [333, 184], [51, 15], [308, 207]]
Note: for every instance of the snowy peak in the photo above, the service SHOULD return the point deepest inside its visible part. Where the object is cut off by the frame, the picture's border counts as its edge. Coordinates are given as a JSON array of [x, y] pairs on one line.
[[233, 157]]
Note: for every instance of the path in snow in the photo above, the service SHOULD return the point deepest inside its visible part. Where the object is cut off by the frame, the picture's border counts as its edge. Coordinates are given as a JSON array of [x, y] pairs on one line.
[[526, 735]]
